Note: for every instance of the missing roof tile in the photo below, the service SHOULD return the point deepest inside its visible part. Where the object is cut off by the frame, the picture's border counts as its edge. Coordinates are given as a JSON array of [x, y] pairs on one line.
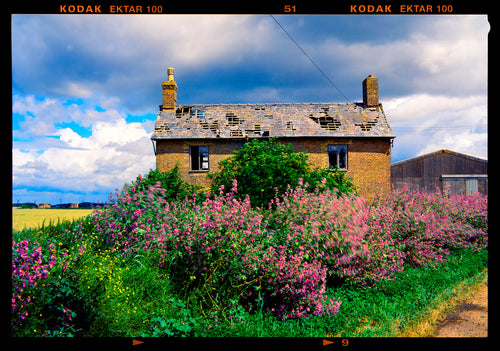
[[326, 122], [183, 110], [233, 120], [236, 133], [367, 125], [289, 125], [256, 129]]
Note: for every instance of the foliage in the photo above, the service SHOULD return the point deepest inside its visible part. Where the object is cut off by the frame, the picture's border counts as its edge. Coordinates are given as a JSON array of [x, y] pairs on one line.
[[219, 249], [175, 187], [215, 265], [265, 168]]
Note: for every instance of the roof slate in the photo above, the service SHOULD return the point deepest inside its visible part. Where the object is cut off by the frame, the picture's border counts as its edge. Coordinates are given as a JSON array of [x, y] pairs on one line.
[[280, 120]]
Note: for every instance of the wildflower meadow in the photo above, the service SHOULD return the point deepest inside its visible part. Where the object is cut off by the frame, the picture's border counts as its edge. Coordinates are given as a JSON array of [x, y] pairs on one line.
[[212, 264]]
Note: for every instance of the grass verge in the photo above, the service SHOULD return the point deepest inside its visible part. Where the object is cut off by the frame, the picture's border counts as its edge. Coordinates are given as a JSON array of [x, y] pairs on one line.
[[403, 307]]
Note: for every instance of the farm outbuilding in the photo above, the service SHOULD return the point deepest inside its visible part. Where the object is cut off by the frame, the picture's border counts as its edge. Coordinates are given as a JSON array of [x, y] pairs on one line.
[[464, 174]]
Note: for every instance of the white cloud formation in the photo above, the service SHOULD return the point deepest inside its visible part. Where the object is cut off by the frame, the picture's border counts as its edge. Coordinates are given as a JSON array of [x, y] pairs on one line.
[[425, 123], [446, 55], [79, 56], [114, 153], [40, 116]]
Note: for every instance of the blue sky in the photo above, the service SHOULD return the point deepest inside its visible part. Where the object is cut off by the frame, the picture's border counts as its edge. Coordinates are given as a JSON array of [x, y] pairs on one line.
[[86, 89]]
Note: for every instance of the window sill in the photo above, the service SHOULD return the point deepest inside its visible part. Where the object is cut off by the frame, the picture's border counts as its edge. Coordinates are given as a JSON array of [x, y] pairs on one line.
[[340, 170], [199, 171]]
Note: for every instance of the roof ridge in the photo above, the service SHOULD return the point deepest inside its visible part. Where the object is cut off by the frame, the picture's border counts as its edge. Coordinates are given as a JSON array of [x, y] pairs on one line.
[[270, 104], [437, 152]]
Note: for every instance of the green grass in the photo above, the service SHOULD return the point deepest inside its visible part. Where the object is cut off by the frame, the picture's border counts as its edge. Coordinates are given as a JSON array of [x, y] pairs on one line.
[[385, 311], [395, 306]]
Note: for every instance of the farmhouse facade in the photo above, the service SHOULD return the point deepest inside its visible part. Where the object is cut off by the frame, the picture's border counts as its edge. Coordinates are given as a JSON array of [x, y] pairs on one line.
[[356, 137], [463, 174]]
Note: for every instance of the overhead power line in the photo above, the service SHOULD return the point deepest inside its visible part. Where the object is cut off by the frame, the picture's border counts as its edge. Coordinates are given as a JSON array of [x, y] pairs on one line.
[[412, 129], [310, 59]]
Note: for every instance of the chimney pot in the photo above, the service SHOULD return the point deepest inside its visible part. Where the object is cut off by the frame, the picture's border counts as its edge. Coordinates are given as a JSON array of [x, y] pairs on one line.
[[170, 72]]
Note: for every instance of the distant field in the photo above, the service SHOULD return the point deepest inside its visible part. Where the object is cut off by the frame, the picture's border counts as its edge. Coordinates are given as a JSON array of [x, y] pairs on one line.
[[32, 218]]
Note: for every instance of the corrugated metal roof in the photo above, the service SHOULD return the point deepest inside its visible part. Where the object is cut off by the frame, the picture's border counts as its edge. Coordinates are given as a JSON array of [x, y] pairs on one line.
[[435, 153], [280, 120]]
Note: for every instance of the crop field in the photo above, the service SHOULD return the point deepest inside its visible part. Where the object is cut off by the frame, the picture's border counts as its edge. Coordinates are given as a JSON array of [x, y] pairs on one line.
[[31, 218]]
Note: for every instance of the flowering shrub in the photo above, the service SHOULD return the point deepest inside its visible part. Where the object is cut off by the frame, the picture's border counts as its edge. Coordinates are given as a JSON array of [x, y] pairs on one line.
[[337, 232], [29, 267], [219, 255], [222, 247], [426, 225], [216, 248], [292, 287], [321, 226]]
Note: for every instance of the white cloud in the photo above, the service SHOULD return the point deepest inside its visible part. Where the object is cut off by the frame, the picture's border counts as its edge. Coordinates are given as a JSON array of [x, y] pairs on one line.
[[114, 153], [77, 56], [445, 55], [425, 123], [39, 117], [466, 142]]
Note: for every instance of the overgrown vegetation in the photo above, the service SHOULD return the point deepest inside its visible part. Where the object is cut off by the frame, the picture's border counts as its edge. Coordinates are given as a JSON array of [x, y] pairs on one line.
[[167, 260], [265, 169]]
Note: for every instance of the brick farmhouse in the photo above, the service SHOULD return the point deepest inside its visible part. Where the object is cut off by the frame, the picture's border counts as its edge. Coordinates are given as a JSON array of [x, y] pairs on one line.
[[356, 137]]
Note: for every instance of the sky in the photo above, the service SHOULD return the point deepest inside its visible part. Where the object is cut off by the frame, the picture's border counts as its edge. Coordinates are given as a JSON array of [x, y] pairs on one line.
[[86, 89]]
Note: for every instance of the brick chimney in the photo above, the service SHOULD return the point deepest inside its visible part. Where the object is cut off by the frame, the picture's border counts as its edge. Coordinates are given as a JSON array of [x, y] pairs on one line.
[[169, 100], [370, 91]]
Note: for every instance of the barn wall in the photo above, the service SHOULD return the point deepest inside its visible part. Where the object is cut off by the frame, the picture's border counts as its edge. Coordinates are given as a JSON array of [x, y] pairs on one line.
[[425, 172]]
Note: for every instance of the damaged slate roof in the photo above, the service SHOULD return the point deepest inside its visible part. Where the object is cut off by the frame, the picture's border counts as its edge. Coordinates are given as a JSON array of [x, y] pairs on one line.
[[280, 120]]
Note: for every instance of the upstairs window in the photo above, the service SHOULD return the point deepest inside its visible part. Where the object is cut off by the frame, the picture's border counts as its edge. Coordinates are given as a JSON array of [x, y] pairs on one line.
[[337, 156], [199, 157]]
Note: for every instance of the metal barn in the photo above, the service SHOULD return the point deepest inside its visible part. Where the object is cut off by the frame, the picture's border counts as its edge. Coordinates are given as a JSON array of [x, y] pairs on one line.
[[465, 174]]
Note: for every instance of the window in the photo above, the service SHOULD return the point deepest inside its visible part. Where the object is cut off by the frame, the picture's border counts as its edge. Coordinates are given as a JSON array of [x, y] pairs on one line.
[[337, 156], [199, 158]]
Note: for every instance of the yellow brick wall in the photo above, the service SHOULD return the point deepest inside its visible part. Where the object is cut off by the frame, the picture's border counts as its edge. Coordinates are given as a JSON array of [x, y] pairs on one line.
[[169, 152], [368, 160]]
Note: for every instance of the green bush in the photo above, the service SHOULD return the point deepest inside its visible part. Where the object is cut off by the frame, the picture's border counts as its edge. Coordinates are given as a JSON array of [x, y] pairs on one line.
[[264, 169], [175, 187]]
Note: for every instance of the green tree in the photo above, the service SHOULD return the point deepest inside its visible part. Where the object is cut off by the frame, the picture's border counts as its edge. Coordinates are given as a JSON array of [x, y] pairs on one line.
[[264, 169]]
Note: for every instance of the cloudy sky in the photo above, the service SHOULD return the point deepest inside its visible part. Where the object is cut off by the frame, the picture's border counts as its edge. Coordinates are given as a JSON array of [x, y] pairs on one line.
[[86, 89]]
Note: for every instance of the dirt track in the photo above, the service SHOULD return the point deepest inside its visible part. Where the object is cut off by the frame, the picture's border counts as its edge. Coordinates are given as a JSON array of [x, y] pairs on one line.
[[470, 319]]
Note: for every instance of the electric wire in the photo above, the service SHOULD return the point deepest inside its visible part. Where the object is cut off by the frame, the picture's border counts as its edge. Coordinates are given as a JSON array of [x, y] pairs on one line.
[[411, 129], [310, 59]]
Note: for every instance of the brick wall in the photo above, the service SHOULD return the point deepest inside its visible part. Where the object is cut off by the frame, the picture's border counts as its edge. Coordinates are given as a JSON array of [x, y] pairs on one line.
[[169, 152], [369, 160], [169, 95], [370, 91]]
